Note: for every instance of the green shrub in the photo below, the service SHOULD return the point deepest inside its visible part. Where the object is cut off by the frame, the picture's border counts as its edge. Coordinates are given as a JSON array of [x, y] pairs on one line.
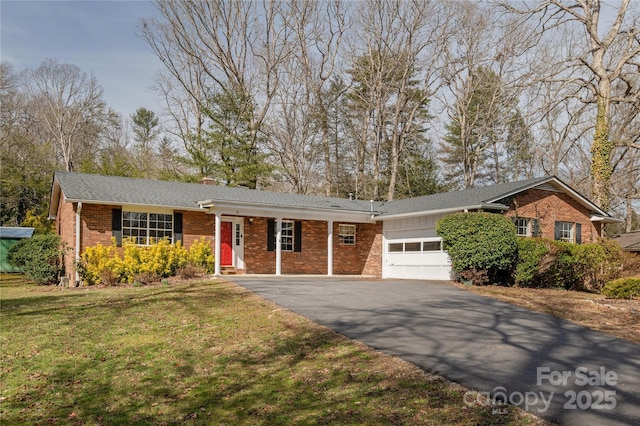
[[556, 264], [39, 257], [622, 288], [483, 246], [530, 254], [596, 263]]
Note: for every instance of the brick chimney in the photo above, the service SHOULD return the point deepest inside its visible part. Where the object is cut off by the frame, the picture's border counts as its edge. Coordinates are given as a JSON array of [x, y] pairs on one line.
[[207, 181]]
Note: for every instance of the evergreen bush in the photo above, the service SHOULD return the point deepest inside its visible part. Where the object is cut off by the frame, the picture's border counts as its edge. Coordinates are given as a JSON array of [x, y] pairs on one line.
[[482, 246], [39, 257], [546, 263], [530, 254], [622, 288]]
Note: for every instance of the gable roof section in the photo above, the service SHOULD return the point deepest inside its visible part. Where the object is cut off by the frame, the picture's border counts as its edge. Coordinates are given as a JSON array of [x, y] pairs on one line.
[[117, 190], [486, 197]]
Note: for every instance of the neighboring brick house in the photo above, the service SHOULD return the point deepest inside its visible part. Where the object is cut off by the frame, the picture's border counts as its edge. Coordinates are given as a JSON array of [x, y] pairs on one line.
[[317, 235]]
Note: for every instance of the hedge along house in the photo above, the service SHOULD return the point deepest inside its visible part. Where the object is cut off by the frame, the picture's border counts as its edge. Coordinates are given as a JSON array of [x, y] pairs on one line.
[[262, 232]]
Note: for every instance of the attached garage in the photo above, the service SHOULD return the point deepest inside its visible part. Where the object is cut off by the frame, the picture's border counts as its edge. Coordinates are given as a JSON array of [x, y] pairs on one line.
[[412, 250]]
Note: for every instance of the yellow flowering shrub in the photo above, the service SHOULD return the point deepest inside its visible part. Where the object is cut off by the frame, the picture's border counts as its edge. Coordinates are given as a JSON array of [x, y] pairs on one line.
[[134, 263], [99, 260], [201, 255]]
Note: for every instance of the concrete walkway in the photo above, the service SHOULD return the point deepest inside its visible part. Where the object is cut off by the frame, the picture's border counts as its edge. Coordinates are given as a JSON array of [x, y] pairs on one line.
[[553, 368]]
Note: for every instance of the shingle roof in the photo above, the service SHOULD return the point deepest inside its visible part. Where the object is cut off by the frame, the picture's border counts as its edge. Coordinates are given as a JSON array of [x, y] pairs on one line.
[[13, 232], [124, 190], [180, 195], [629, 241], [460, 199]]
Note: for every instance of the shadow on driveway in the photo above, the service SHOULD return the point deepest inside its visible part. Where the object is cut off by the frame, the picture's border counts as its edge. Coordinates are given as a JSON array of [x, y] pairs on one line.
[[553, 368]]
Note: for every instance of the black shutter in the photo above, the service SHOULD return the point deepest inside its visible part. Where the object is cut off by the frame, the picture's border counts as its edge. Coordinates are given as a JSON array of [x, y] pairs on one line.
[[116, 226], [578, 233], [557, 231], [535, 228], [297, 235], [177, 227], [271, 236]]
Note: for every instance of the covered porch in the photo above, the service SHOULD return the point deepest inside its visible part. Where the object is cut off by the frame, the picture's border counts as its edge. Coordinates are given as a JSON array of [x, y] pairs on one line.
[[259, 239]]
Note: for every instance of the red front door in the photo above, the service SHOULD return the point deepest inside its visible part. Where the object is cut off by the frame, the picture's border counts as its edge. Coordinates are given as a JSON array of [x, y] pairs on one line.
[[226, 243]]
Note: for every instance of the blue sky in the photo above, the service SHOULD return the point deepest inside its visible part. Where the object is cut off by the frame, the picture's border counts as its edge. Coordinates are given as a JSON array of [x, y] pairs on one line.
[[97, 36]]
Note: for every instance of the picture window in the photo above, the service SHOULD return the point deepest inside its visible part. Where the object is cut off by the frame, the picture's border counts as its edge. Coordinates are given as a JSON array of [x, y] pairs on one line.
[[147, 228]]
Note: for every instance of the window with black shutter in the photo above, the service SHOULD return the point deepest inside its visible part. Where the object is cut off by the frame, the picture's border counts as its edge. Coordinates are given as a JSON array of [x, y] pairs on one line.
[[570, 232], [116, 226], [290, 235]]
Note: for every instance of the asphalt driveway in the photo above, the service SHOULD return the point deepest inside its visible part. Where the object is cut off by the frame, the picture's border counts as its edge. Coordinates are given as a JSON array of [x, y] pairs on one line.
[[552, 368]]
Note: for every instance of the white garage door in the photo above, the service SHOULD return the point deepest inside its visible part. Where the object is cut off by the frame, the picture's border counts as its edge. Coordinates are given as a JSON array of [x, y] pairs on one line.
[[414, 252], [416, 259]]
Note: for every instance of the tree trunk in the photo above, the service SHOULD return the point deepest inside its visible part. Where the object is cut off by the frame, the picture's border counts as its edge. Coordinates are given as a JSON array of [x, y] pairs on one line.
[[601, 168]]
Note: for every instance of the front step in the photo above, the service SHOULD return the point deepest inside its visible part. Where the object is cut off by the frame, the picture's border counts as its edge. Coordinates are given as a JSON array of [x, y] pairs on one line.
[[229, 270]]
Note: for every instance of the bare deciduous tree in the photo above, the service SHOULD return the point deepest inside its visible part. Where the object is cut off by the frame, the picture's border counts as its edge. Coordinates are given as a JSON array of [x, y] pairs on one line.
[[610, 56], [395, 66], [299, 131], [486, 70], [230, 47], [70, 108]]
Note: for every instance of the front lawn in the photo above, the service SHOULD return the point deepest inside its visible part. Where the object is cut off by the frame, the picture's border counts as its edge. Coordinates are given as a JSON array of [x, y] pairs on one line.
[[205, 352]]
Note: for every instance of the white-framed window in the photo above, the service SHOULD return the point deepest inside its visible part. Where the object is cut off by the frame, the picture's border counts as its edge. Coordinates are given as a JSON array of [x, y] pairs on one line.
[[291, 235], [147, 228], [347, 234], [432, 246], [287, 235], [396, 247], [523, 226], [415, 246], [565, 231]]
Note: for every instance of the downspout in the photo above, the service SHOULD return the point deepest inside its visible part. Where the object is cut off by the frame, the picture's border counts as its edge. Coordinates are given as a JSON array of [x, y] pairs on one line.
[[78, 229]]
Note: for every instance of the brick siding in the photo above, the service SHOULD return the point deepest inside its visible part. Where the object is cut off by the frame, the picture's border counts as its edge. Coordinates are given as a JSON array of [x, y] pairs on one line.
[[196, 225], [549, 207], [365, 258], [66, 228]]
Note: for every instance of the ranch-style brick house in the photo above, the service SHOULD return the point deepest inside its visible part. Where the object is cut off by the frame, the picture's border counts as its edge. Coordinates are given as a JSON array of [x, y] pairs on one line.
[[262, 232]]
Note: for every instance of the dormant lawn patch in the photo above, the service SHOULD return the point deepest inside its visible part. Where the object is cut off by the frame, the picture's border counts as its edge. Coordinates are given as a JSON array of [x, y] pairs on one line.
[[620, 318]]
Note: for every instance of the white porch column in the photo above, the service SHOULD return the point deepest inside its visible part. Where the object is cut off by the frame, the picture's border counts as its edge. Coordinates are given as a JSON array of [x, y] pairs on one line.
[[279, 246], [330, 248], [217, 246]]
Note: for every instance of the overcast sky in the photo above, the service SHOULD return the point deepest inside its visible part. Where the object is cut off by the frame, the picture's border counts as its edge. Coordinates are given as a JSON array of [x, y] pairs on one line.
[[97, 36]]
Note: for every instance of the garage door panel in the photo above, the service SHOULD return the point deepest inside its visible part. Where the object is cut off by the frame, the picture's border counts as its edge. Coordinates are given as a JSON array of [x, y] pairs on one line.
[[430, 266]]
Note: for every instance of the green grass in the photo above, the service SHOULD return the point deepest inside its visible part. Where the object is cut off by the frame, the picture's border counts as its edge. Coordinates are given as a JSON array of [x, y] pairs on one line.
[[201, 353]]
